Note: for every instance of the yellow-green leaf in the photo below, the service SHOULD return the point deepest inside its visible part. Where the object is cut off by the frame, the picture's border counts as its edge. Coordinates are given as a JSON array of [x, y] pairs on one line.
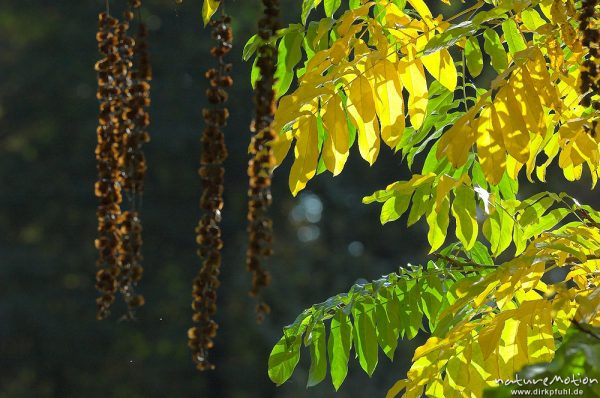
[[318, 356], [438, 225], [208, 9], [513, 36], [338, 347], [464, 211], [365, 336], [473, 56], [493, 46]]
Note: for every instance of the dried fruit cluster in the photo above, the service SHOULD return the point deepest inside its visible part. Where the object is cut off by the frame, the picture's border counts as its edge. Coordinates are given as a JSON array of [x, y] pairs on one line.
[[590, 78], [260, 167], [213, 154], [123, 93]]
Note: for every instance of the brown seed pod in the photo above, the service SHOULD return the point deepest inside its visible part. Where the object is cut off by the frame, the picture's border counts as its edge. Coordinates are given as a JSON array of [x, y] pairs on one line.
[[108, 188], [124, 94], [260, 166], [208, 231]]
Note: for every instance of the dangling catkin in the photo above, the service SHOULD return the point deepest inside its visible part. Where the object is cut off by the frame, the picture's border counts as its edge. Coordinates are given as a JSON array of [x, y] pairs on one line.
[[260, 167], [213, 154], [135, 120], [123, 92], [108, 188]]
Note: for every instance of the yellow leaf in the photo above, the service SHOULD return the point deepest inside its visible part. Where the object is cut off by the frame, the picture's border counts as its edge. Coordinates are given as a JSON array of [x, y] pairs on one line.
[[528, 101], [513, 167], [551, 149], [489, 337], [412, 75], [444, 186], [512, 351], [572, 173], [208, 9], [441, 66], [456, 143], [361, 109], [368, 141], [306, 153], [336, 145], [512, 125], [396, 388], [348, 18], [394, 16], [389, 105], [293, 106], [281, 146], [360, 96], [534, 146], [490, 150], [421, 8], [538, 73]]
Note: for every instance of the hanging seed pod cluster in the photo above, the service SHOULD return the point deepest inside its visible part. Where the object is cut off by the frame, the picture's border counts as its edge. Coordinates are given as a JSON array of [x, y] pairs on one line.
[[590, 78], [123, 92], [213, 154], [260, 167], [108, 188]]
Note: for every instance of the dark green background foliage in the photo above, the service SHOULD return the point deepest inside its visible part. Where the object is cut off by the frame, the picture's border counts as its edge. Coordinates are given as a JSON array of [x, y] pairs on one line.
[[50, 343]]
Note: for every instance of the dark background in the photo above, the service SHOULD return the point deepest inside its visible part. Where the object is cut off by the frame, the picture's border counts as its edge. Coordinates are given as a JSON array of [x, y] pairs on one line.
[[50, 342]]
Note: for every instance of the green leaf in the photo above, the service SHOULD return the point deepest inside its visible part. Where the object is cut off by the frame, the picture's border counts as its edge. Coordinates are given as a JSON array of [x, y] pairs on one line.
[[394, 207], [513, 36], [318, 356], [493, 46], [473, 57], [283, 359], [464, 211], [365, 336], [331, 6], [352, 4], [338, 347]]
